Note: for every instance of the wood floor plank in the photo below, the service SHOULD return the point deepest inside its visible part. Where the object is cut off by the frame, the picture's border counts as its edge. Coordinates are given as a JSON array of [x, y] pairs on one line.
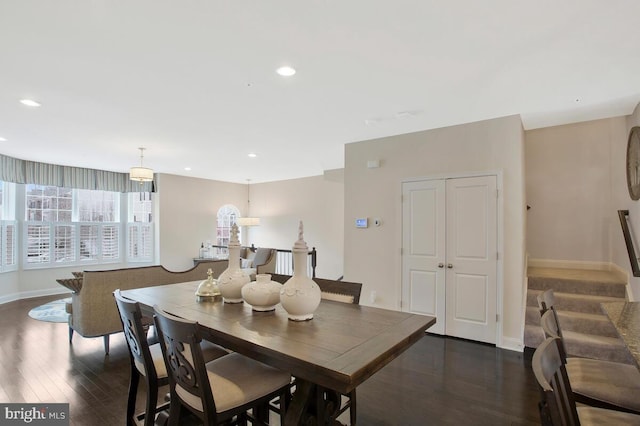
[[439, 381]]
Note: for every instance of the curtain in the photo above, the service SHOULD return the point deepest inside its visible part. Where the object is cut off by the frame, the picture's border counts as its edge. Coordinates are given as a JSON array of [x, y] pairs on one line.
[[24, 171]]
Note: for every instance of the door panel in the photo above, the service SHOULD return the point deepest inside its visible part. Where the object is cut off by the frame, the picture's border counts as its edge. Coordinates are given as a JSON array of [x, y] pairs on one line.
[[471, 258], [470, 298], [423, 296], [470, 220], [423, 248]]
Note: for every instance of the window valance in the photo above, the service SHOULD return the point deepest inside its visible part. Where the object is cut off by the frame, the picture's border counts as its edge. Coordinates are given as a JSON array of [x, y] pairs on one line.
[[24, 171]]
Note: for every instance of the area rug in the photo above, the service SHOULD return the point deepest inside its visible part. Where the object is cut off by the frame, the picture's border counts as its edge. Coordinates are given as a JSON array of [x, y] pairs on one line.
[[51, 312]]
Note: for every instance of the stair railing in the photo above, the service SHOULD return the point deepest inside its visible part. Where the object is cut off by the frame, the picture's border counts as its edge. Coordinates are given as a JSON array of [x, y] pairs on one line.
[[284, 259], [623, 215]]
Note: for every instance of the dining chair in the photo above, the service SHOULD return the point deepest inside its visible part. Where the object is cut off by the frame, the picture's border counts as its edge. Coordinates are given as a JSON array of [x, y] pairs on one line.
[[147, 360], [337, 291], [557, 405], [222, 390], [598, 383]]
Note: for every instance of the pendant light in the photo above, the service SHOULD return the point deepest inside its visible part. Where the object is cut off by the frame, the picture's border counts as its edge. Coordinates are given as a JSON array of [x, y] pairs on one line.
[[140, 173], [248, 221]]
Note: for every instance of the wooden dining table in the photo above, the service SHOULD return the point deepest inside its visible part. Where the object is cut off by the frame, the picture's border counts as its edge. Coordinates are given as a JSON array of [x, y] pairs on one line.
[[625, 317], [341, 347]]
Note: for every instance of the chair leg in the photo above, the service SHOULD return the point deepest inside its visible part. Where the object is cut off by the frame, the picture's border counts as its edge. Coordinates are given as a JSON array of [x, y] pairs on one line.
[[106, 344], [320, 405], [285, 399], [152, 403], [131, 400], [174, 411], [352, 407], [261, 413]]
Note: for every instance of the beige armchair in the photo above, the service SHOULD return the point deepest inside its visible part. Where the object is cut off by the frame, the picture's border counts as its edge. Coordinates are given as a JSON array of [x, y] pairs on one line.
[[260, 261]]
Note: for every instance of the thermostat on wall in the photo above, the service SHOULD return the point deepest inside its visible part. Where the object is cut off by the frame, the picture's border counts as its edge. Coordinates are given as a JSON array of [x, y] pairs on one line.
[[362, 223]]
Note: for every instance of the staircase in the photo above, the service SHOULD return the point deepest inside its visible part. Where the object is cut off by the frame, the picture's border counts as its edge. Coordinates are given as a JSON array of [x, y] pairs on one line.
[[578, 293]]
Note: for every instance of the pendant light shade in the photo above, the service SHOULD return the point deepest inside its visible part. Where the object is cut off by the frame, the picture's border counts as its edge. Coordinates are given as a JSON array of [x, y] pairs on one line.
[[248, 221], [140, 173]]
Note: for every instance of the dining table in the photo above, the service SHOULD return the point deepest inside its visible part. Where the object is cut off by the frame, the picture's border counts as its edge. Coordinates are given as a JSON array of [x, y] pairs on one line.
[[625, 317], [341, 347]]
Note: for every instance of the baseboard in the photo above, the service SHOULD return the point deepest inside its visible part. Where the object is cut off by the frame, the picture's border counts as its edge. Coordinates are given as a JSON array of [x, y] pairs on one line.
[[512, 344], [620, 273], [31, 294]]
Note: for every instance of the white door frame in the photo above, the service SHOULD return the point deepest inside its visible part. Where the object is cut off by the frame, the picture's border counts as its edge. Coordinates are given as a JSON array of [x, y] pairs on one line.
[[500, 238]]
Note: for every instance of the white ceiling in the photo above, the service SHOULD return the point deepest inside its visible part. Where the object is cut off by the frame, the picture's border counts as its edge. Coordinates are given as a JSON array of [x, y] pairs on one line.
[[194, 81]]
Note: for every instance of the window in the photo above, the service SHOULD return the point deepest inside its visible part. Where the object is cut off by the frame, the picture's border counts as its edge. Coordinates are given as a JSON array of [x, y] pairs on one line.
[[140, 227], [8, 226], [8, 248], [97, 206], [227, 216], [67, 226]]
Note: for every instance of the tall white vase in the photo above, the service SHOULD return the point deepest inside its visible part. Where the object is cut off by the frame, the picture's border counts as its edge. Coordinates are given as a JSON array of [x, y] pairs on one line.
[[300, 295], [233, 278]]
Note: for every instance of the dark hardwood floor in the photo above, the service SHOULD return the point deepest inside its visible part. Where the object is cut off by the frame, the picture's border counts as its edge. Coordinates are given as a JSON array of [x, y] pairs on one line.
[[438, 381]]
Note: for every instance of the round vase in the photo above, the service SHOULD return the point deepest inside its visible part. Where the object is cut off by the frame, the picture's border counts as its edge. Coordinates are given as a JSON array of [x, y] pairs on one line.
[[262, 294], [300, 295], [233, 278]]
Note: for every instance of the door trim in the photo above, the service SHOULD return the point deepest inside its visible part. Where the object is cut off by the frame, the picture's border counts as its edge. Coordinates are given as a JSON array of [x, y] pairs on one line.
[[500, 238]]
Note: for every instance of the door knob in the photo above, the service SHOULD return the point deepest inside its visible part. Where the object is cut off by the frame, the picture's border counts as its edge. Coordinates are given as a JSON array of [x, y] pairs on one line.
[[440, 265], [449, 265]]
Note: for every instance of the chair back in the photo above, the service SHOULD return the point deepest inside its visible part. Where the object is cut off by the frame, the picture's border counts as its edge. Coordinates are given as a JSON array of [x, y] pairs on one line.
[[188, 379], [546, 300], [551, 327], [339, 291], [136, 336], [557, 406]]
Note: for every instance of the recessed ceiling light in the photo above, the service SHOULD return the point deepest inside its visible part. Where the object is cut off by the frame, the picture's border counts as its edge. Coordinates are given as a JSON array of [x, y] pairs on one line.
[[3, 140], [188, 169], [286, 71], [253, 155], [29, 102]]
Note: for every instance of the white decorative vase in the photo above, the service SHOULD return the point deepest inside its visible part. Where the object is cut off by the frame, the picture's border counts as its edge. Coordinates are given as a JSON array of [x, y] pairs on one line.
[[208, 289], [300, 295], [233, 278], [262, 294]]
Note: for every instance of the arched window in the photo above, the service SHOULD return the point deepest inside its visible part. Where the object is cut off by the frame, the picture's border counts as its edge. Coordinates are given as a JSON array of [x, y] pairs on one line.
[[227, 216]]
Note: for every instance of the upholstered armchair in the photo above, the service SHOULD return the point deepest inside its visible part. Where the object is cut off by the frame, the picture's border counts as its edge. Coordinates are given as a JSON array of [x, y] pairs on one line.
[[260, 261]]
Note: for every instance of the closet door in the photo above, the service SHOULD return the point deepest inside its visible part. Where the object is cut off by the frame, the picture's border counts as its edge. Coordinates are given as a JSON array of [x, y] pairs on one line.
[[449, 254], [423, 250], [471, 295]]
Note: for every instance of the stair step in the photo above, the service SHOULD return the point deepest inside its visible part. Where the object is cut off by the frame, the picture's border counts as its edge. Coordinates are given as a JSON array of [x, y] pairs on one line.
[[577, 321], [590, 282], [573, 302], [583, 345], [587, 331], [580, 322], [533, 335], [596, 347]]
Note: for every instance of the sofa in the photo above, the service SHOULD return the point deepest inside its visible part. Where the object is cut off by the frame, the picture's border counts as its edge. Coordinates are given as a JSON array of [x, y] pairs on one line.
[[93, 311]]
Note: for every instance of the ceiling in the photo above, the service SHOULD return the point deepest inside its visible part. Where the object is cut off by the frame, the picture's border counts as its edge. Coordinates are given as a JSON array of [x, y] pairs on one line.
[[194, 81]]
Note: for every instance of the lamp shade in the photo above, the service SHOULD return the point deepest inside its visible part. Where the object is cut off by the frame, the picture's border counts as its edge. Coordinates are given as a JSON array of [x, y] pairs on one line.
[[141, 174], [248, 221]]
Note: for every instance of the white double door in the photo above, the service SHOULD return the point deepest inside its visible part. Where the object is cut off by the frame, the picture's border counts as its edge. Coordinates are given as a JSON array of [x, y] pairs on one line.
[[449, 255]]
